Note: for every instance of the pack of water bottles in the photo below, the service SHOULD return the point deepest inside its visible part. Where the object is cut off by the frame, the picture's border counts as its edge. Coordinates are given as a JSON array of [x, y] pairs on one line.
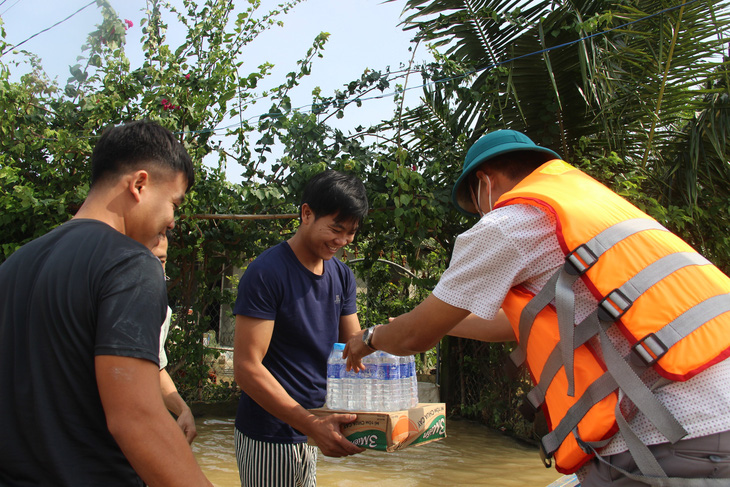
[[388, 383]]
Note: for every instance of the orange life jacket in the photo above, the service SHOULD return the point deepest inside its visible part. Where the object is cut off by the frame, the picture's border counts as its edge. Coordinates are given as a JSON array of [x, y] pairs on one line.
[[671, 304]]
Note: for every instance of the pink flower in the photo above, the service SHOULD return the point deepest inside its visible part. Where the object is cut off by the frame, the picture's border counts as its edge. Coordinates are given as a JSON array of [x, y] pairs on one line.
[[166, 105], [129, 23], [187, 76]]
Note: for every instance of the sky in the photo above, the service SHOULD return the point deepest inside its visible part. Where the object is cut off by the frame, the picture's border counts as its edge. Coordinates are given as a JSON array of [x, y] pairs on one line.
[[363, 34]]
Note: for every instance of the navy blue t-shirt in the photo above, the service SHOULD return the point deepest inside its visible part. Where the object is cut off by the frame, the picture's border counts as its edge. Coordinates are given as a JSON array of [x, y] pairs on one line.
[[306, 309]]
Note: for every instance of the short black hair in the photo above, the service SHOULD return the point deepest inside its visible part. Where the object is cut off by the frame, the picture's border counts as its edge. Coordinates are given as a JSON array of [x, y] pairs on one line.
[[135, 145], [333, 192]]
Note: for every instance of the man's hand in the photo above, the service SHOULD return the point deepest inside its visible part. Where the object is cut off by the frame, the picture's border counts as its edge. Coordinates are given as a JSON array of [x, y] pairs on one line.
[[186, 422], [326, 432], [354, 351], [177, 406]]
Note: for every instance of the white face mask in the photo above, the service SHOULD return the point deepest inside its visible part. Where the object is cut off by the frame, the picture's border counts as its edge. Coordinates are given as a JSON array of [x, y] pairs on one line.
[[479, 196]]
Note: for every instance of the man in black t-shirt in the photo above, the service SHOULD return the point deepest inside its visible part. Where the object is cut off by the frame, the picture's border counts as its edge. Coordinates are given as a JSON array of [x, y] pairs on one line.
[[80, 315]]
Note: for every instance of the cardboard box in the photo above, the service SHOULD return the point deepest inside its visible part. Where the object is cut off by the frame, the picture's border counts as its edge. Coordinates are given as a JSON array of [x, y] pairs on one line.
[[394, 430]]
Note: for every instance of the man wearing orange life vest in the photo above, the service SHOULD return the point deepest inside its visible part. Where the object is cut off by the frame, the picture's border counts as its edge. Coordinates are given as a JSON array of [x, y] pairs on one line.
[[628, 327]]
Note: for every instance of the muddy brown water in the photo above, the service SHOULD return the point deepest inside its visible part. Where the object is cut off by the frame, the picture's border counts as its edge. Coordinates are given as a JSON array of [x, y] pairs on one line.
[[470, 455]]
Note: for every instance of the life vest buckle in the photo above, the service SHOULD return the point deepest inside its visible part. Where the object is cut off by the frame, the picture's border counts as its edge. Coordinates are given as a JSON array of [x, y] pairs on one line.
[[613, 306], [545, 456], [580, 259], [528, 410], [650, 349], [582, 444], [510, 369]]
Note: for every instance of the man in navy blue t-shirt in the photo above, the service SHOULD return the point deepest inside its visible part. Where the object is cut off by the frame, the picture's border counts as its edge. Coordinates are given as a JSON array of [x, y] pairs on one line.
[[294, 302]]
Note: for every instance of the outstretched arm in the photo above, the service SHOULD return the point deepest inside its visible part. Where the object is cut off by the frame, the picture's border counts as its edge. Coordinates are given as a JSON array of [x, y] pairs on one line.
[[421, 329], [476, 328], [414, 332]]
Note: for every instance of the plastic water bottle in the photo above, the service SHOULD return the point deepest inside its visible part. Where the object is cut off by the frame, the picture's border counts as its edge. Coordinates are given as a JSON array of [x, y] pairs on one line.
[[404, 382], [402, 378], [368, 381], [358, 391], [373, 361], [350, 389], [414, 383], [409, 382], [363, 384], [389, 375], [335, 368], [388, 382]]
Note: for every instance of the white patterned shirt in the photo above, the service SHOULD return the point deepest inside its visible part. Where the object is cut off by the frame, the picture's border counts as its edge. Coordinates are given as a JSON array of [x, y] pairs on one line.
[[517, 244]]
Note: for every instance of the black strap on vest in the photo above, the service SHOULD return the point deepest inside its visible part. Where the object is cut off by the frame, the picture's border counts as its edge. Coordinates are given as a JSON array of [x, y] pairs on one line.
[[623, 373]]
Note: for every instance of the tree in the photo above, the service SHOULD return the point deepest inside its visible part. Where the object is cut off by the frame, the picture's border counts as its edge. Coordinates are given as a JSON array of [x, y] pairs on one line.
[[193, 89]]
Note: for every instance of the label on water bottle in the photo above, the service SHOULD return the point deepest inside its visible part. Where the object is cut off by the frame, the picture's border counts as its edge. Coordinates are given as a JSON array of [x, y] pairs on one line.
[[388, 371], [371, 371], [404, 369], [333, 370]]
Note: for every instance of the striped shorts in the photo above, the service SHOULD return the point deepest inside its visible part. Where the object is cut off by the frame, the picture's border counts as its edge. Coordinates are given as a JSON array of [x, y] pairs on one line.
[[265, 464]]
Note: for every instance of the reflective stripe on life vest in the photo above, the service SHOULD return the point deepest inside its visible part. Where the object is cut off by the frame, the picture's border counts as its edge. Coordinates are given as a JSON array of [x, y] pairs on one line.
[[670, 303]]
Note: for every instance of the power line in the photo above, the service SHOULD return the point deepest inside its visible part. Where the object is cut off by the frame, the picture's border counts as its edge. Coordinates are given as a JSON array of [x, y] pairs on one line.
[[46, 29], [494, 65], [6, 10], [309, 108]]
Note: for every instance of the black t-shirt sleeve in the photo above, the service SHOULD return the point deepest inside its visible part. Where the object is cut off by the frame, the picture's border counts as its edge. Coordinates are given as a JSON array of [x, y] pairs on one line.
[[132, 307]]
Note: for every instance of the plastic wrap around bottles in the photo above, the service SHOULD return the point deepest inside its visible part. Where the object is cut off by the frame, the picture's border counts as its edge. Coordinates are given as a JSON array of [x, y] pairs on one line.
[[388, 382]]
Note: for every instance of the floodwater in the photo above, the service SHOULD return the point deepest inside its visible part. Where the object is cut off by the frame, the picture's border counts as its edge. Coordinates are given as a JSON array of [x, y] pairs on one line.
[[471, 454]]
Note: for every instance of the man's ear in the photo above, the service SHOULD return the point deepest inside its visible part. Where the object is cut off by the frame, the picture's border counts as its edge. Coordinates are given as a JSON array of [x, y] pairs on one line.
[[138, 182], [481, 176], [307, 214]]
